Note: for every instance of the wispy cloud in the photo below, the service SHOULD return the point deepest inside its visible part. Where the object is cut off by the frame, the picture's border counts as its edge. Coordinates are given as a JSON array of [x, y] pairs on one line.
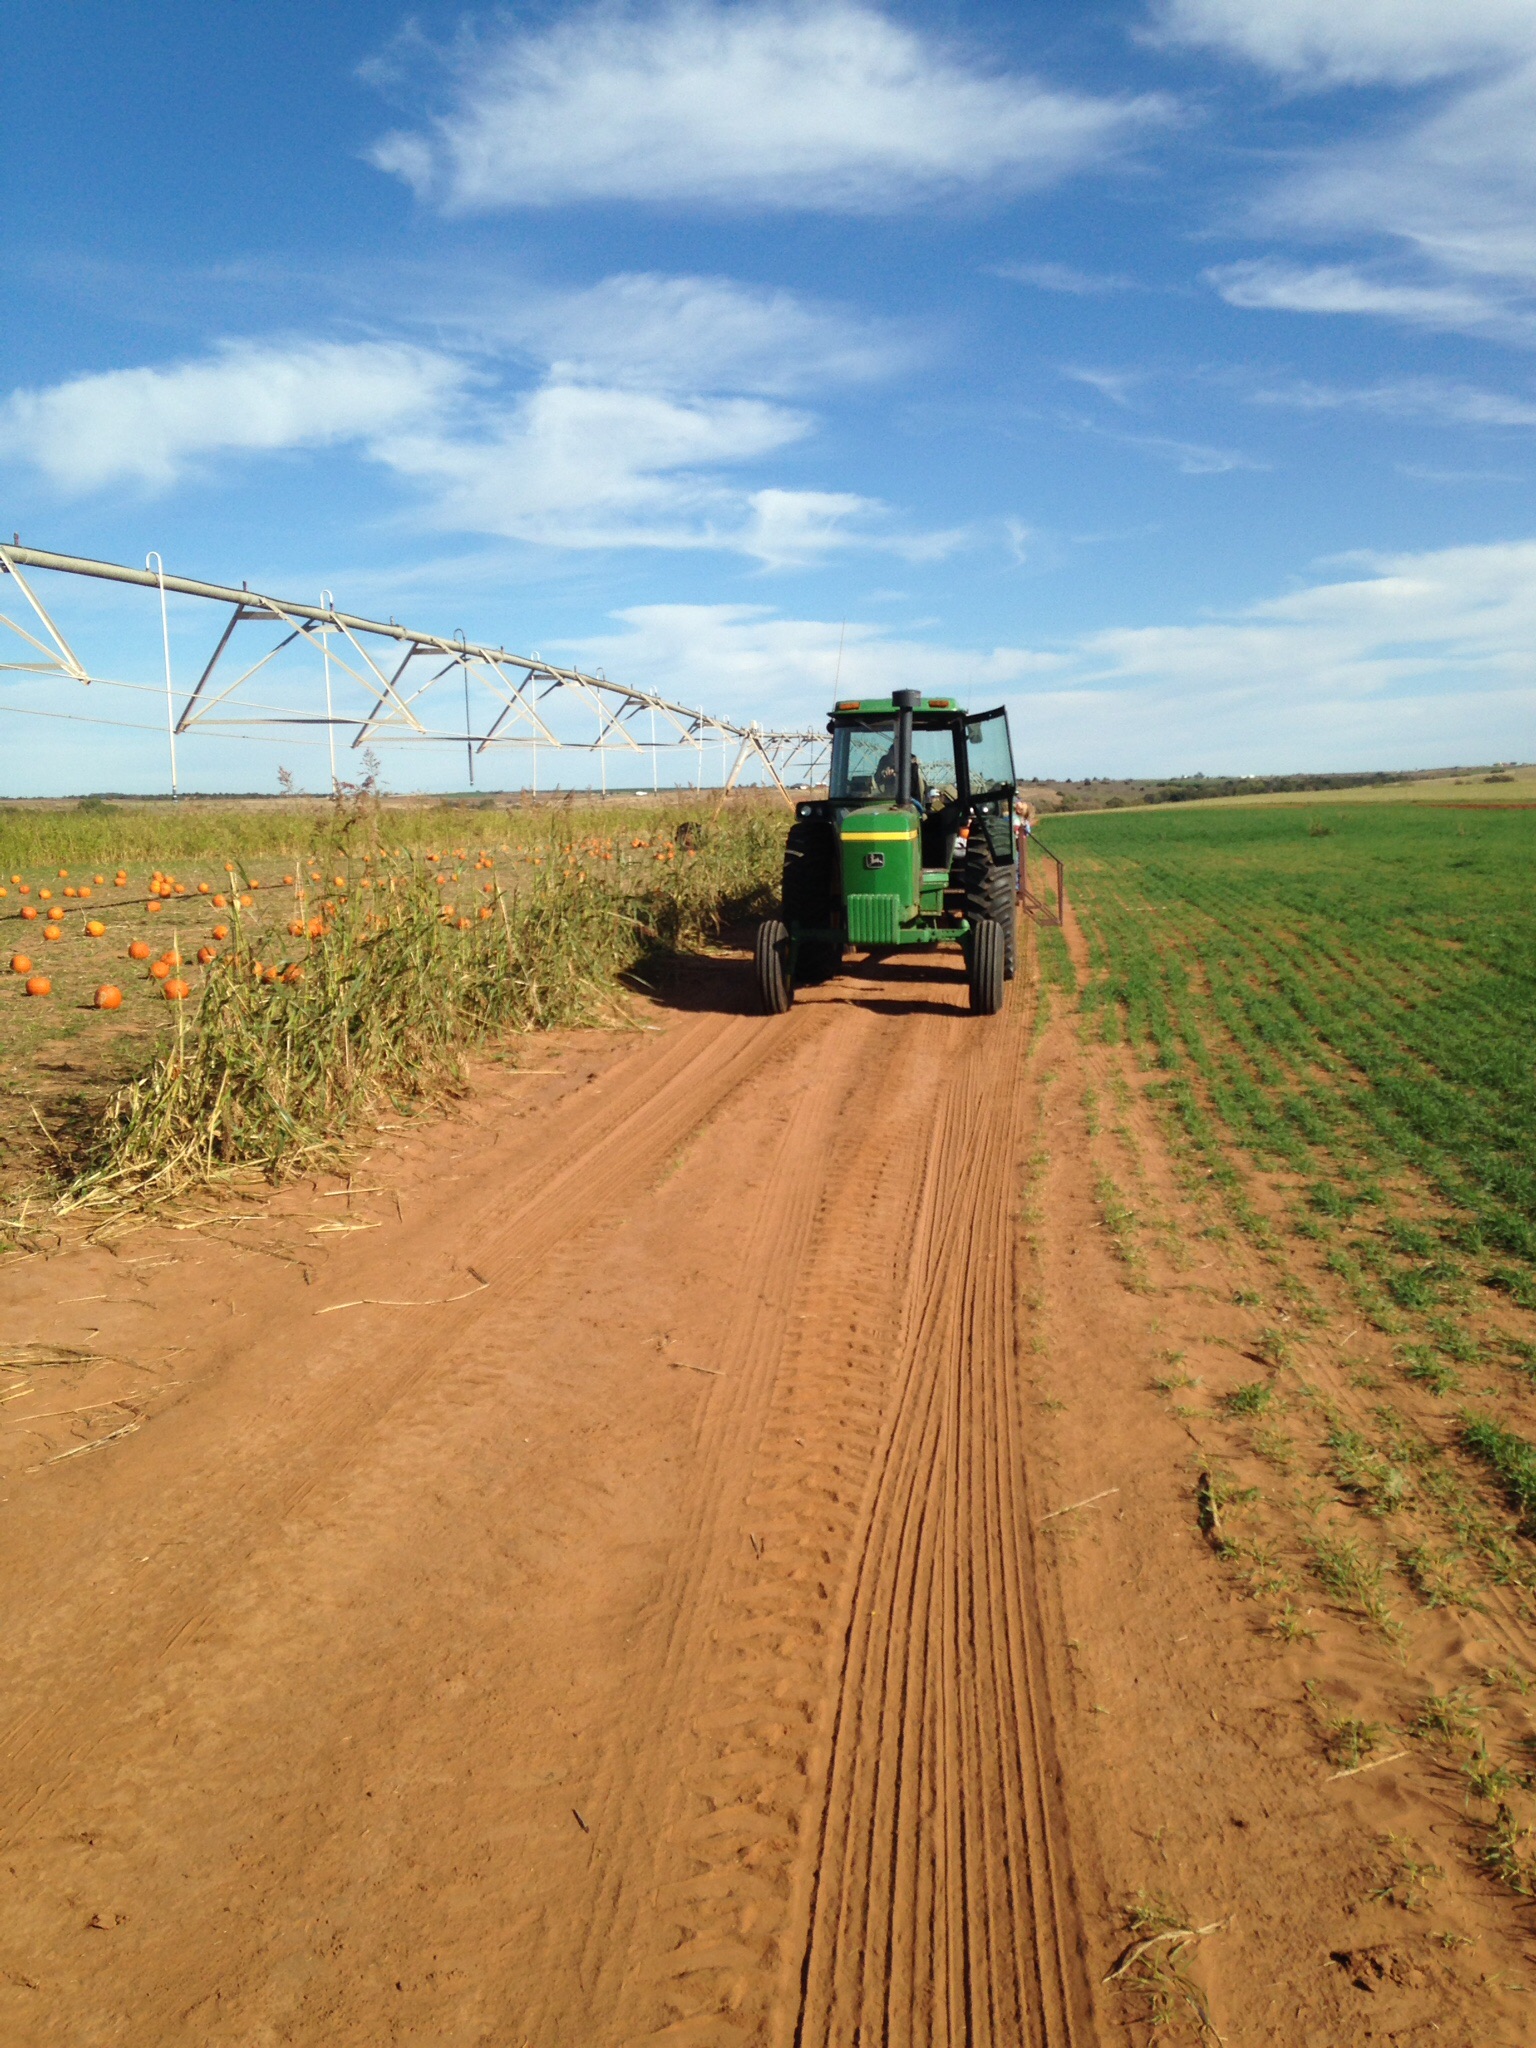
[[1269, 284], [1429, 398], [827, 108], [1061, 277], [1115, 385], [1355, 42], [1453, 186], [648, 332]]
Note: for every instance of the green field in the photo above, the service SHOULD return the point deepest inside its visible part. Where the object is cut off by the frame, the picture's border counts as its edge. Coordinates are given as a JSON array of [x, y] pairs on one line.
[[1339, 1006], [1271, 962]]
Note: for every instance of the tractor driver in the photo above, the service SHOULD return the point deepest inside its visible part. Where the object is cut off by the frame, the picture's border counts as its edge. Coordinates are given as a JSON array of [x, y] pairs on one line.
[[885, 775]]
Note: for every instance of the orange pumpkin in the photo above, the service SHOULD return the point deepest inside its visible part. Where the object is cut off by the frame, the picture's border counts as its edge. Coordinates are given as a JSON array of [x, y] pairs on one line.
[[39, 985], [202, 888], [177, 991], [108, 997], [160, 969], [20, 964], [95, 929], [98, 880], [152, 907], [221, 931], [29, 912], [205, 954], [139, 950], [55, 932], [219, 902]]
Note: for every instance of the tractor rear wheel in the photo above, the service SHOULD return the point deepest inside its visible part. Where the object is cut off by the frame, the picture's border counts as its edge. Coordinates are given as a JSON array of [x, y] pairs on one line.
[[807, 895], [775, 988], [986, 966], [992, 890]]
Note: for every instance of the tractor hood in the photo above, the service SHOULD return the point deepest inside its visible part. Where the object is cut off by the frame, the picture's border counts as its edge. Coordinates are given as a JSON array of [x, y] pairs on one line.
[[881, 861]]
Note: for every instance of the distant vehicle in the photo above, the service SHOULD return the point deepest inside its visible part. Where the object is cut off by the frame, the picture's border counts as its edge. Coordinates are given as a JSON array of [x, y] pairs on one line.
[[913, 845]]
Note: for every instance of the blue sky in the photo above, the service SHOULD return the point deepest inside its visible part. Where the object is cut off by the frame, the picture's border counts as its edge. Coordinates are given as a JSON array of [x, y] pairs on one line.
[[1165, 369]]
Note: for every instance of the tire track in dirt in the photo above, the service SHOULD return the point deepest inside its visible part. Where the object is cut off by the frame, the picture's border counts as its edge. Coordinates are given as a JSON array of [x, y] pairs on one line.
[[942, 1909], [864, 1838]]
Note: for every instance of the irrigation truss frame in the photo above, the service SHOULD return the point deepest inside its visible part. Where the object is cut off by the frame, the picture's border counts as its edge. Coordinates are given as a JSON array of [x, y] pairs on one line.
[[383, 660]]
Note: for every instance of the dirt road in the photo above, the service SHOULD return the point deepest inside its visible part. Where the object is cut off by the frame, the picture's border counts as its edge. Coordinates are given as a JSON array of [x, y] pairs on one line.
[[601, 1580]]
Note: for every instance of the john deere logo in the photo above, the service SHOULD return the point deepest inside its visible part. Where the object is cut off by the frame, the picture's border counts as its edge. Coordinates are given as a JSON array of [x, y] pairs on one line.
[[874, 860]]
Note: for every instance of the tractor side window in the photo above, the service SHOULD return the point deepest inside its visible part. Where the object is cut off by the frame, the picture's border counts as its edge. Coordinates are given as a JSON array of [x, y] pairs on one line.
[[857, 752], [990, 756], [933, 755]]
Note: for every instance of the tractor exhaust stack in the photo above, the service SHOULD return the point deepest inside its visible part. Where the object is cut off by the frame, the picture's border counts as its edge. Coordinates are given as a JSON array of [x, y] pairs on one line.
[[905, 702]]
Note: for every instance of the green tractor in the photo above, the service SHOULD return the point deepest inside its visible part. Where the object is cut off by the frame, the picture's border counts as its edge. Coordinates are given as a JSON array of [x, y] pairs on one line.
[[913, 845]]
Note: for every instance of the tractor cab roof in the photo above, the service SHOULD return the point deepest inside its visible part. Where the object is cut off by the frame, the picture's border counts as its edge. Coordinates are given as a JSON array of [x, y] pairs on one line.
[[935, 710]]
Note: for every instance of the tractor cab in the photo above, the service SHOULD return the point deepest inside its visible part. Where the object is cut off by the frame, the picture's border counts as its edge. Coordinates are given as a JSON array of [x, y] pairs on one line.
[[913, 845]]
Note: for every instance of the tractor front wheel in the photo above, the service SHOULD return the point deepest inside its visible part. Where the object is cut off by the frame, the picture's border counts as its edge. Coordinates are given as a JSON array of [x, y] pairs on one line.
[[775, 987], [986, 963]]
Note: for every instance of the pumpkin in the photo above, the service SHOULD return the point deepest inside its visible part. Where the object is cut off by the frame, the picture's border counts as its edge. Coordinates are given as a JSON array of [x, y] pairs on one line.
[[29, 912], [108, 997], [55, 932], [45, 895], [139, 950], [160, 969], [20, 964], [71, 891], [39, 985], [176, 991], [205, 954], [95, 929], [219, 902], [83, 891], [202, 888], [221, 932], [98, 880], [153, 907]]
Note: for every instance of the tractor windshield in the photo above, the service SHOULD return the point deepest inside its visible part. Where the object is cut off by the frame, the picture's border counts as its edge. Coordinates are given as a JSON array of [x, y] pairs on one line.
[[858, 752], [864, 762]]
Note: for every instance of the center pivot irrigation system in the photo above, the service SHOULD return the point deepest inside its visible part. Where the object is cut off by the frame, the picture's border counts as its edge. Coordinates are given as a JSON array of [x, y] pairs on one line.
[[376, 677]]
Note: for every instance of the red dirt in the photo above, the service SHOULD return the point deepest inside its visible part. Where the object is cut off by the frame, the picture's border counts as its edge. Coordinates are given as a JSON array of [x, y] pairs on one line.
[[671, 1633]]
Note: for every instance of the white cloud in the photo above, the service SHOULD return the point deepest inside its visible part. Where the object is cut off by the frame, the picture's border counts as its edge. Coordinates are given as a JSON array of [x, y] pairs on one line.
[[587, 466], [826, 107], [1355, 42], [1413, 659], [1432, 398], [783, 669], [656, 333], [148, 426], [651, 393]]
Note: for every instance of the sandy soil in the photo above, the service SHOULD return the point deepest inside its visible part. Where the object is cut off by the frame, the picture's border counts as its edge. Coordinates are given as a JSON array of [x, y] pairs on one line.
[[616, 1575]]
